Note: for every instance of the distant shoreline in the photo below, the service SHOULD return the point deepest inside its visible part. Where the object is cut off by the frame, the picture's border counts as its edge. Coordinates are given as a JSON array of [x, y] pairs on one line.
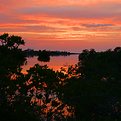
[[31, 53]]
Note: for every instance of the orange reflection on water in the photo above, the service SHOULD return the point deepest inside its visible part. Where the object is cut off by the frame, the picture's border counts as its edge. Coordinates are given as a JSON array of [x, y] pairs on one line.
[[56, 62]]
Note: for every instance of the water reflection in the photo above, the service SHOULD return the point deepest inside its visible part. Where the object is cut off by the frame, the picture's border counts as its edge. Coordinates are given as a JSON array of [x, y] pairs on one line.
[[56, 62]]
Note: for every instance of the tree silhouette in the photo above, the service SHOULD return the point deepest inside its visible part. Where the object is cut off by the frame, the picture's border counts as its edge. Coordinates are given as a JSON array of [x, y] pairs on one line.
[[11, 41], [96, 94], [89, 91], [34, 96]]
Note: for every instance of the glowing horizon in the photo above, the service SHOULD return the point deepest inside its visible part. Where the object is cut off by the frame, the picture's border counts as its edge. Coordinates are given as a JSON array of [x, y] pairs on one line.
[[70, 25]]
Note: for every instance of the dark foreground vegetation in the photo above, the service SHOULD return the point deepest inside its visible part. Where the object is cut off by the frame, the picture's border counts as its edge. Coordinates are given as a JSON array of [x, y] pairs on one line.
[[88, 91]]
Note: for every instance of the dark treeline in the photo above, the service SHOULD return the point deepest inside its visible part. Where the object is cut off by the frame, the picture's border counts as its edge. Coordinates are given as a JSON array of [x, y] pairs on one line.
[[31, 52], [44, 55], [88, 91]]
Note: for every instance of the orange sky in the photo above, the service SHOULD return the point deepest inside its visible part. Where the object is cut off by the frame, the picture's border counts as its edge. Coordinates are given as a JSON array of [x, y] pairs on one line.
[[70, 25]]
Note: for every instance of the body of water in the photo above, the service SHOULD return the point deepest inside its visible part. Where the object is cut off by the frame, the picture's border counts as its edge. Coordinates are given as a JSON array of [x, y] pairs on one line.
[[56, 62]]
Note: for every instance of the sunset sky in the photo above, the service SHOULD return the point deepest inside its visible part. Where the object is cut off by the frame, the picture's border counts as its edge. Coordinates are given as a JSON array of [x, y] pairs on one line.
[[70, 25]]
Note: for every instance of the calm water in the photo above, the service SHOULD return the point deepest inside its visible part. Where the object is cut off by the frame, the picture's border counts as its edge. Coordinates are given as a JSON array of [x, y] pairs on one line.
[[56, 62]]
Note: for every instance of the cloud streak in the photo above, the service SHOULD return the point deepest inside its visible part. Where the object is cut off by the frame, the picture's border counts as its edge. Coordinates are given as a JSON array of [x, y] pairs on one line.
[[97, 25], [99, 11]]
